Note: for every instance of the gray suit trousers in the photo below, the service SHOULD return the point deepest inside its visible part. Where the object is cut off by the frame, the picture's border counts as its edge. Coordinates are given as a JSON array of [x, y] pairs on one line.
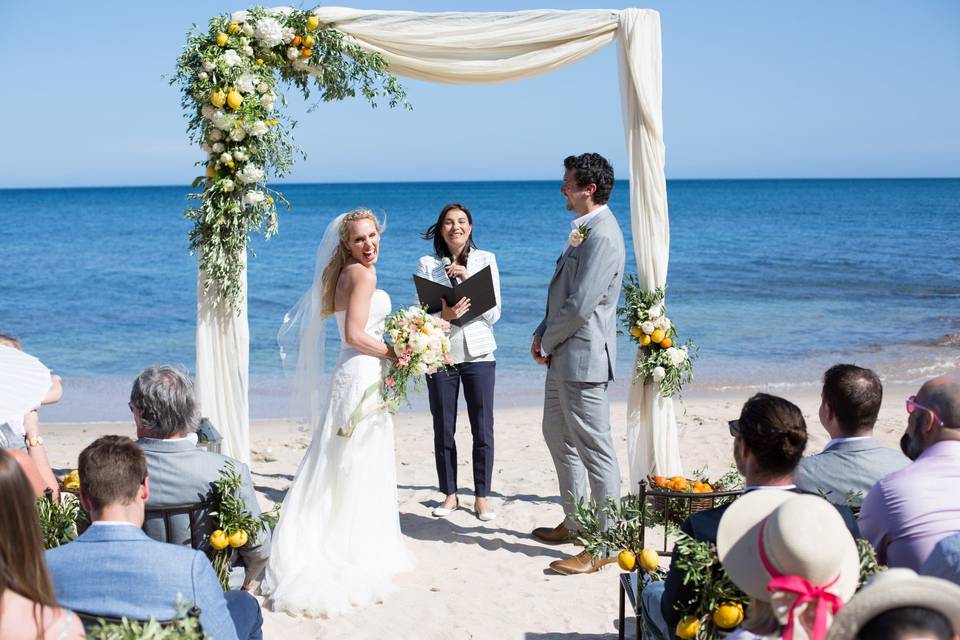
[[576, 427]]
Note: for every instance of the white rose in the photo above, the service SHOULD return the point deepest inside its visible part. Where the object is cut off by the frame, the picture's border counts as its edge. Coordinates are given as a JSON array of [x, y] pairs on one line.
[[226, 157], [221, 120], [239, 155], [208, 66], [203, 75], [269, 32], [247, 83], [250, 174], [217, 147], [647, 327], [252, 198], [292, 53], [231, 58], [207, 111], [658, 373], [655, 311], [267, 101], [247, 30], [215, 135], [258, 128], [247, 50], [239, 16], [238, 134], [677, 356], [263, 87], [205, 148], [300, 64], [227, 184], [288, 34], [663, 322]]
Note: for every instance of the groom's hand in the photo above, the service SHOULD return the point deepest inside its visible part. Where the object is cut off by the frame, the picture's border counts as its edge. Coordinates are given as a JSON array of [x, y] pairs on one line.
[[535, 351]]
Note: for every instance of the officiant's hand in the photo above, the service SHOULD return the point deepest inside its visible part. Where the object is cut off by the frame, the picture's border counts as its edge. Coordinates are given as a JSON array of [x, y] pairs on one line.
[[449, 313], [457, 271]]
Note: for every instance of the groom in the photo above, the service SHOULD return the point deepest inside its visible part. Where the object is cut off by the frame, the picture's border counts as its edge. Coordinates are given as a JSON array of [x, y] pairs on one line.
[[577, 341]]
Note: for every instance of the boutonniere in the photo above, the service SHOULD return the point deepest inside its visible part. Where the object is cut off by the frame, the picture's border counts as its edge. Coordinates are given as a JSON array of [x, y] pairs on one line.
[[578, 235]]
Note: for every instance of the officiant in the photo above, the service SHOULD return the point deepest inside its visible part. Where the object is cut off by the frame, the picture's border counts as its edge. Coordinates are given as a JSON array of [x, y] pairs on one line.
[[455, 258]]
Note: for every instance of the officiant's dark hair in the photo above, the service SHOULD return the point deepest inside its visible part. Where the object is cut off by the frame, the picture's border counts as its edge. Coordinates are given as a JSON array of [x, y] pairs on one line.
[[592, 168], [439, 244]]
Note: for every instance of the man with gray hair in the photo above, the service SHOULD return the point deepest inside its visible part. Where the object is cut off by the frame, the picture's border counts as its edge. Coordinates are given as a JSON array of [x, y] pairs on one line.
[[165, 411]]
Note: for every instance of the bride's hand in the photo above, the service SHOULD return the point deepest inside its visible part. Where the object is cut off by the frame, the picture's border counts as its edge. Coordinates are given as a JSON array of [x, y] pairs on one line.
[[391, 353]]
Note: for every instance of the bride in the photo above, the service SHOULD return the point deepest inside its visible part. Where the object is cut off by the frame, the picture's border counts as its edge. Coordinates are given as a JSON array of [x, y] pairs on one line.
[[338, 541]]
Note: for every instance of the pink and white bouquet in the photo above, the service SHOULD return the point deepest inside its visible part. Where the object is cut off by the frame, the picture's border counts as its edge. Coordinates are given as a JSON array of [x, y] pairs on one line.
[[422, 346]]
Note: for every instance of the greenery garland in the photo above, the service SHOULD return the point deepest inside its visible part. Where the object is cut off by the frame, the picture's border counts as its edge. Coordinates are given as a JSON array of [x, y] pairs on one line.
[[228, 76]]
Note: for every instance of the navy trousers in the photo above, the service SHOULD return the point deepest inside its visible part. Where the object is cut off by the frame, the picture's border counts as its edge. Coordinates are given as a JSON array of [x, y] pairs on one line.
[[444, 389]]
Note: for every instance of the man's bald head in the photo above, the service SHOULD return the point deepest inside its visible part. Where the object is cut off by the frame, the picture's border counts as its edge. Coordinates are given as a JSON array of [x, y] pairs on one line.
[[942, 395]]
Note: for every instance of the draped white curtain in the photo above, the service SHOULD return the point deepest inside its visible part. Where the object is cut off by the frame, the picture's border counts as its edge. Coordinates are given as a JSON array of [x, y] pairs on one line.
[[499, 47]]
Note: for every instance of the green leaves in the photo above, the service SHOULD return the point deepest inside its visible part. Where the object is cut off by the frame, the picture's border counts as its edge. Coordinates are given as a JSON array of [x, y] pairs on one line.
[[59, 520]]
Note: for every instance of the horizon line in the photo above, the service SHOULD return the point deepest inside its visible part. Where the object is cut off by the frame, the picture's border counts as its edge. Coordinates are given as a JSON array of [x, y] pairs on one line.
[[488, 181]]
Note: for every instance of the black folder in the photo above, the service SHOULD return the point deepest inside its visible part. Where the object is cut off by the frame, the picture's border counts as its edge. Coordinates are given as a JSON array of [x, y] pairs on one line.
[[478, 287]]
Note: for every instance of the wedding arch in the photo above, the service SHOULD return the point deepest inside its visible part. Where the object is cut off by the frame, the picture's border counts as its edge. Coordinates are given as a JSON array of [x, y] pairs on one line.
[[229, 76]]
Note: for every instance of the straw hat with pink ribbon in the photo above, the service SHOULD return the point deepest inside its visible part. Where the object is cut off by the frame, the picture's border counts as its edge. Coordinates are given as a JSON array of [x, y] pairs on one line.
[[793, 551]]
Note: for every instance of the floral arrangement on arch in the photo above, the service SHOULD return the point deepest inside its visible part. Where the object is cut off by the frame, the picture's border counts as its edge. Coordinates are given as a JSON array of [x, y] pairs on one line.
[[230, 77], [660, 359]]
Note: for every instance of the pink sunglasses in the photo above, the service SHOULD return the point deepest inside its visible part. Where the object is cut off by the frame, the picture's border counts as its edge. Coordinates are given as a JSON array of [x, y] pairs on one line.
[[913, 405]]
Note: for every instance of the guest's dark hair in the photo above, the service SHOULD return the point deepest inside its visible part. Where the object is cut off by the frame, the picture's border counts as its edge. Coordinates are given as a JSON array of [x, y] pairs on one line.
[[22, 566], [163, 396], [111, 471], [11, 341], [854, 394], [775, 432], [433, 232], [907, 622], [592, 168]]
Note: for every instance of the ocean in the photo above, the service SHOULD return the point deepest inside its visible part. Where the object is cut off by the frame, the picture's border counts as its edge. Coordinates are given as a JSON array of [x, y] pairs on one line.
[[774, 280]]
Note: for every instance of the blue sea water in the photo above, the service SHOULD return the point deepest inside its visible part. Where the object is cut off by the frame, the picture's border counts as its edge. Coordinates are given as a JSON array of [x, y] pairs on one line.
[[773, 279]]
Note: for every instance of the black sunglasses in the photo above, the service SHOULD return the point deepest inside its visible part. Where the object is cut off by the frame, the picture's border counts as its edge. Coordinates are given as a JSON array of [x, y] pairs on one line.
[[734, 426]]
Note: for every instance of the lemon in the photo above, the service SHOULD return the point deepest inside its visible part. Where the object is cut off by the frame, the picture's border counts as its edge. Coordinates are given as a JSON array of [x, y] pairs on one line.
[[309, 41], [210, 171], [688, 627], [222, 39], [217, 98], [728, 615], [644, 339], [269, 199], [635, 332], [627, 560], [238, 538], [658, 335], [234, 99], [233, 27], [312, 23], [649, 559], [218, 540], [306, 53]]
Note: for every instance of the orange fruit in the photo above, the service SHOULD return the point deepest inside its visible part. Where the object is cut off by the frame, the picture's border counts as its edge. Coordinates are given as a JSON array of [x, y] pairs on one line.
[[306, 53], [688, 627], [666, 343], [659, 481], [658, 335], [296, 41]]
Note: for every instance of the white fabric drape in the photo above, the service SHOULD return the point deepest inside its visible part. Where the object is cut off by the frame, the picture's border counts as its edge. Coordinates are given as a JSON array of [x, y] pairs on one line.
[[500, 47], [223, 364]]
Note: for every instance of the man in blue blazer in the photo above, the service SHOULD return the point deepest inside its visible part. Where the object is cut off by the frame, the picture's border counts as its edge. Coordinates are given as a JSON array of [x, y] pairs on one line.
[[113, 569]]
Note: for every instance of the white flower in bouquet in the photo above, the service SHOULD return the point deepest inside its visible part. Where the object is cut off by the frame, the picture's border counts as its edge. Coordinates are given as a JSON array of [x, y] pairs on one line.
[[203, 75], [263, 87], [647, 327], [293, 53], [269, 32], [247, 83], [206, 148], [258, 128], [253, 198], [239, 16], [247, 50], [227, 185], [221, 120], [208, 66], [215, 135], [250, 174], [231, 58], [239, 155], [663, 322], [677, 356], [207, 111], [238, 134], [658, 373], [217, 147], [288, 34], [247, 29], [655, 311], [225, 158], [267, 100]]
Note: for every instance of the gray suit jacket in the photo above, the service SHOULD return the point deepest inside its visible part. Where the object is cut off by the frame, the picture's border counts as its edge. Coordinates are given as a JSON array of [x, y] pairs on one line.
[[180, 473], [847, 466], [579, 329]]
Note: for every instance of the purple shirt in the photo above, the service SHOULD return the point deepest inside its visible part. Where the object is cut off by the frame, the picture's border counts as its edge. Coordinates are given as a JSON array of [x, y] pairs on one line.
[[909, 511]]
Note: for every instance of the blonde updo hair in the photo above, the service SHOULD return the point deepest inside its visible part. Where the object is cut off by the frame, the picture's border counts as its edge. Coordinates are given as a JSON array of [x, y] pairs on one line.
[[331, 273]]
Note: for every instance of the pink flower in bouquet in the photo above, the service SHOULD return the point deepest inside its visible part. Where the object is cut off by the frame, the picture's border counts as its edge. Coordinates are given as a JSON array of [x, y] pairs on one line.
[[391, 382]]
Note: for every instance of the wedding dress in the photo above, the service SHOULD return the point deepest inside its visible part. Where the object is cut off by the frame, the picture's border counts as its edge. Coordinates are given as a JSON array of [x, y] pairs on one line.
[[338, 542]]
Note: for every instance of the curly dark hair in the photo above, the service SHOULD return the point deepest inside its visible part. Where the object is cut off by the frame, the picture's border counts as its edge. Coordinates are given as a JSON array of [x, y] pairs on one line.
[[775, 431], [592, 168]]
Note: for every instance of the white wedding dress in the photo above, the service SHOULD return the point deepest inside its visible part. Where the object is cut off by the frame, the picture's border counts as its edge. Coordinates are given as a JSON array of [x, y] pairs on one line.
[[338, 542]]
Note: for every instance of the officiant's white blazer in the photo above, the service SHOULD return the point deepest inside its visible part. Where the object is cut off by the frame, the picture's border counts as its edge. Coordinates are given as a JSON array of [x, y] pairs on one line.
[[477, 334]]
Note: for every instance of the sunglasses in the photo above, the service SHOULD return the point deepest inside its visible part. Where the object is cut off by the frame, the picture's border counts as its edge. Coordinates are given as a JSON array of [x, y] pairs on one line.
[[734, 426], [913, 405]]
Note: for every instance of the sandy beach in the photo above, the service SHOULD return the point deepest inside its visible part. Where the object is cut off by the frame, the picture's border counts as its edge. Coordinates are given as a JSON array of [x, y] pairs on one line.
[[486, 580]]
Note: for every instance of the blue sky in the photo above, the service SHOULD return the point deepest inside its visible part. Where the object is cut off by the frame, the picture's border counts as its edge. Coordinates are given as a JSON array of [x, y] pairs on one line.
[[751, 90]]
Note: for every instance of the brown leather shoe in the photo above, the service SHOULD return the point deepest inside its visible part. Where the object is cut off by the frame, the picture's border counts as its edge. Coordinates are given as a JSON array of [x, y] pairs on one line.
[[557, 535], [583, 562]]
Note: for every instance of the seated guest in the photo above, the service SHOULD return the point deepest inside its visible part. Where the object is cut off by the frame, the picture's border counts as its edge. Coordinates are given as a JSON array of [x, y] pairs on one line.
[[28, 608], [900, 605], [113, 569], [768, 441], [909, 511], [944, 560], [165, 412], [852, 461], [795, 558]]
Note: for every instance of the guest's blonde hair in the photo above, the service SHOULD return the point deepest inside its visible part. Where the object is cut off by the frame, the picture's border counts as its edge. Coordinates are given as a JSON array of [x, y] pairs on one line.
[[331, 273]]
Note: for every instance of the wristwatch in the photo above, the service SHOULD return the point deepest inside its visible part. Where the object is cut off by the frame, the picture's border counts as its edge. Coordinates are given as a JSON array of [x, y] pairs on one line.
[[33, 441]]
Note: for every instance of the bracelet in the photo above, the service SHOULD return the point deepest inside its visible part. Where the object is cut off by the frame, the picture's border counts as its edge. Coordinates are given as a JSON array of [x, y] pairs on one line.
[[33, 441]]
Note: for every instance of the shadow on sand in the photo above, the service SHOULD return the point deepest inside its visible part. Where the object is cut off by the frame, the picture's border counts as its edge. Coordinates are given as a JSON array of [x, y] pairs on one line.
[[442, 530]]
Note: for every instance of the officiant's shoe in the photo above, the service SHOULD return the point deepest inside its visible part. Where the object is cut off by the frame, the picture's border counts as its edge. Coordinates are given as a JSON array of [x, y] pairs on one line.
[[557, 535], [583, 562], [443, 512]]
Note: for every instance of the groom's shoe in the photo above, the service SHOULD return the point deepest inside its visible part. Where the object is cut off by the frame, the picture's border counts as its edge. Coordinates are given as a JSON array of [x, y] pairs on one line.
[[557, 535], [583, 562]]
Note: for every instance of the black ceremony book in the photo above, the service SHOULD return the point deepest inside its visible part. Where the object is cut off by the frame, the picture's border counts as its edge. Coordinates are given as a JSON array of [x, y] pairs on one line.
[[478, 287]]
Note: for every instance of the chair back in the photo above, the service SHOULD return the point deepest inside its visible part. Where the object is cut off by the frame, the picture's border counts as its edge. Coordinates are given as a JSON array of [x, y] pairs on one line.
[[91, 620], [194, 515]]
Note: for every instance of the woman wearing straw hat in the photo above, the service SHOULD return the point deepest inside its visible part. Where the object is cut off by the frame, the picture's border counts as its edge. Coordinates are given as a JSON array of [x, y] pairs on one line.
[[793, 555]]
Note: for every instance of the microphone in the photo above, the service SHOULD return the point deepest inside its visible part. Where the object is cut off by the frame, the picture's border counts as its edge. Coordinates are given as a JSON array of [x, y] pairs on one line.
[[446, 263]]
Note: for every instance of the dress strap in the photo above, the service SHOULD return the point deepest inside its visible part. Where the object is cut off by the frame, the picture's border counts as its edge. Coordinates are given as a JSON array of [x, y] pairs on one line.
[[66, 625]]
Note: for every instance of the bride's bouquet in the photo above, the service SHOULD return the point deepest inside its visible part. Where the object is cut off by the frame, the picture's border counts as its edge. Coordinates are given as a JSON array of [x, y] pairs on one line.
[[660, 360], [422, 347]]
